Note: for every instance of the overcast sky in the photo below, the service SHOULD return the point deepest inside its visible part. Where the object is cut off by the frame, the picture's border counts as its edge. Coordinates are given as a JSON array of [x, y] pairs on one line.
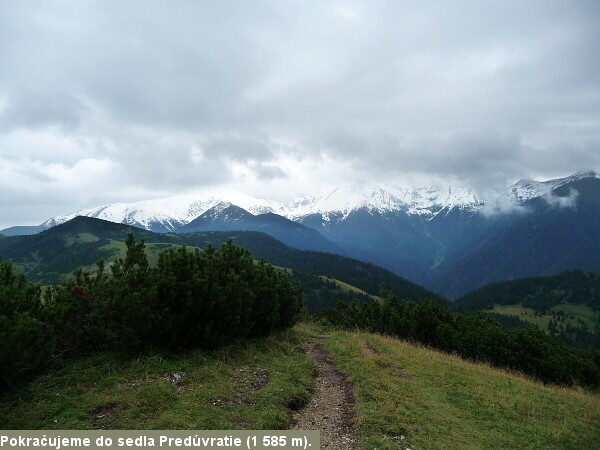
[[104, 101]]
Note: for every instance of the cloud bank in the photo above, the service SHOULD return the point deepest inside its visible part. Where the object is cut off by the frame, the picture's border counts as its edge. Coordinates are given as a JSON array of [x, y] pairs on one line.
[[105, 101]]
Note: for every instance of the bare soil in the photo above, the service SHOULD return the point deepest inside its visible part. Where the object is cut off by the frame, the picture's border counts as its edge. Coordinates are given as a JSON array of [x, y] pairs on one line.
[[331, 408]]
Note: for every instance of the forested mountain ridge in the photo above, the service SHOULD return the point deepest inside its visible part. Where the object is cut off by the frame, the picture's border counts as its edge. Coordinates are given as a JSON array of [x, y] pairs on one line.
[[566, 306], [50, 255], [539, 293]]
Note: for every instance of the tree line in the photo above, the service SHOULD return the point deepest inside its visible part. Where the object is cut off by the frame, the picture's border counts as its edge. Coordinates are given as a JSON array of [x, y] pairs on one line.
[[472, 336], [538, 293], [542, 294], [191, 299]]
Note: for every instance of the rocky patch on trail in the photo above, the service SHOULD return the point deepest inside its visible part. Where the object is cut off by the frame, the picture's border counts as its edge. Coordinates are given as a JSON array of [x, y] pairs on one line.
[[176, 379]]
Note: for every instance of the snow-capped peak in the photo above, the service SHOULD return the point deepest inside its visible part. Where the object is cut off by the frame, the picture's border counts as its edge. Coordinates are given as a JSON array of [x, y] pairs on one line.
[[225, 211], [421, 201], [432, 199], [342, 200], [168, 214], [524, 190]]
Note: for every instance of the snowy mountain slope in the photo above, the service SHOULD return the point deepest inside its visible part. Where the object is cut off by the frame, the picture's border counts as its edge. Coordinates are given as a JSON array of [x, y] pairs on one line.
[[170, 213], [525, 190], [422, 201], [340, 202], [166, 214], [549, 239]]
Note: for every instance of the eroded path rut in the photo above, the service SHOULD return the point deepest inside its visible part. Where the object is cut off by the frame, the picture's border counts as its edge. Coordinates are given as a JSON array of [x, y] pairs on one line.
[[331, 408]]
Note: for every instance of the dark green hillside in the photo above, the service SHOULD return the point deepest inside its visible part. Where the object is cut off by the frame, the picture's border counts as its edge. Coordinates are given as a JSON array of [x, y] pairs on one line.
[[81, 242], [548, 240], [366, 276], [363, 275], [567, 306], [320, 292], [540, 293], [46, 256]]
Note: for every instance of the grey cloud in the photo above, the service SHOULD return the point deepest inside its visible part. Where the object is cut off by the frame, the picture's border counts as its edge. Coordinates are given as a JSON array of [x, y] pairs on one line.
[[268, 172], [39, 108], [243, 146], [501, 205], [563, 202], [483, 159], [176, 96], [159, 161]]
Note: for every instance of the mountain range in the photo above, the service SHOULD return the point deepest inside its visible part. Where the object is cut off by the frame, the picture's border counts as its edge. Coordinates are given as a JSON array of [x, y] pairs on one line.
[[447, 238], [53, 254]]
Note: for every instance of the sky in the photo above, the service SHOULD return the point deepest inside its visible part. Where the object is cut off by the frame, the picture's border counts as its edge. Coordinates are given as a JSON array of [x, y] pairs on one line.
[[110, 101]]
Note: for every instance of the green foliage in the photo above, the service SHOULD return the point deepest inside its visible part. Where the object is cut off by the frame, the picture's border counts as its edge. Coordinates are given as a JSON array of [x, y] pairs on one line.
[[25, 344], [190, 299], [474, 337], [538, 293], [509, 321], [209, 298], [16, 296], [320, 293]]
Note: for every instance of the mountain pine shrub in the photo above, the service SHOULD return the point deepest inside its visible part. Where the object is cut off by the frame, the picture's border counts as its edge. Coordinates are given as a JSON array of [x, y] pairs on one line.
[[26, 343]]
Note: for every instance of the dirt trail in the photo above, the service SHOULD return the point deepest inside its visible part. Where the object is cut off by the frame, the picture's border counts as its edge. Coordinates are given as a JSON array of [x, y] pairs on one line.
[[331, 408]]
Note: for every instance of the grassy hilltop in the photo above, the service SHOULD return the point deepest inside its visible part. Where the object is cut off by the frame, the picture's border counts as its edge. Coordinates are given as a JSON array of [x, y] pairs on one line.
[[406, 395], [440, 401]]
